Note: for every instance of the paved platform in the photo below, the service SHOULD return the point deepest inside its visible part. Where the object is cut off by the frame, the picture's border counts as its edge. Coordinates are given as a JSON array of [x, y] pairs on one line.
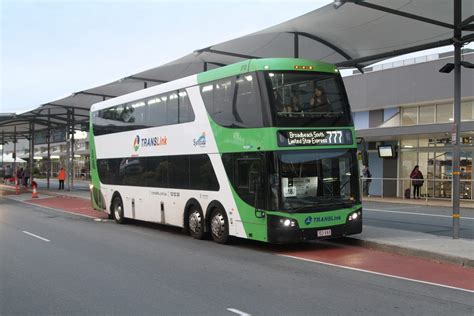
[[429, 246], [425, 202]]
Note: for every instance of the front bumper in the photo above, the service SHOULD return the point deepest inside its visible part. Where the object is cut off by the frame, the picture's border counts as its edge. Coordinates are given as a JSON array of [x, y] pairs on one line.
[[280, 234]]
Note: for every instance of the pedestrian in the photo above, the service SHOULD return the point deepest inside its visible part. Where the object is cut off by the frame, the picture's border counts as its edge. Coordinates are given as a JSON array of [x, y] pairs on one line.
[[417, 181], [8, 174], [61, 178], [19, 176], [367, 180], [26, 177]]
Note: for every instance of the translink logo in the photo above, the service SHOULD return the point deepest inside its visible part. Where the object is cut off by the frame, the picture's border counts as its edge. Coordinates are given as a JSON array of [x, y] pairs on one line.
[[319, 219], [136, 143], [149, 141]]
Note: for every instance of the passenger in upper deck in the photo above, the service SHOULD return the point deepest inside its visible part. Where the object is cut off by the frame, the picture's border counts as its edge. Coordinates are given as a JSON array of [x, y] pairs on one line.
[[319, 102], [278, 102], [294, 106]]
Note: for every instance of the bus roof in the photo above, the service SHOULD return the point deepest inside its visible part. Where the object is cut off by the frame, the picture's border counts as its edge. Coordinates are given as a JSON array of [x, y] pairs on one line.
[[295, 64]]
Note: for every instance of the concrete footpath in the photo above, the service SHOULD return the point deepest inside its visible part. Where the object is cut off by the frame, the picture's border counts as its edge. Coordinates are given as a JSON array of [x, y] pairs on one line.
[[429, 246]]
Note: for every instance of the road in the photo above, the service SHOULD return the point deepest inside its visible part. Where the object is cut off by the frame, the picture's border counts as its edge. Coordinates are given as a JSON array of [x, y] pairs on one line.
[[435, 220], [59, 263]]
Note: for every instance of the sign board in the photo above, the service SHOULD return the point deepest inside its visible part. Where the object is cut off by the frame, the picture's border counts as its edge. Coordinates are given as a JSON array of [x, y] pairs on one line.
[[295, 138]]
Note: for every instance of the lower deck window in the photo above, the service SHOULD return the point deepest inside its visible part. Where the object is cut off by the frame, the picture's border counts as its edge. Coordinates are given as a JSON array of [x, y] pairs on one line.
[[193, 172]]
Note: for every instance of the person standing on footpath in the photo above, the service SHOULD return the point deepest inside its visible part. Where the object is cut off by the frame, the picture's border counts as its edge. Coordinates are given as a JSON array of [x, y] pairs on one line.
[[367, 180], [61, 178], [417, 181]]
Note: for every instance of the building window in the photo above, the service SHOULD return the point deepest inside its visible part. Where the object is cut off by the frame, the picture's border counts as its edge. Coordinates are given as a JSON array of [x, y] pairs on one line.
[[410, 115], [467, 111], [409, 143], [444, 113], [427, 114]]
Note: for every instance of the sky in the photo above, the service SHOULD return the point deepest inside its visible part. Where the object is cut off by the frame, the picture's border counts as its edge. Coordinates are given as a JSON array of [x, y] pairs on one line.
[[50, 49]]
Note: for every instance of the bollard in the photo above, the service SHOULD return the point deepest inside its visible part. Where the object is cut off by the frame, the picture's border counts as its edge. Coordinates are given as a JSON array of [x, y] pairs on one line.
[[35, 192]]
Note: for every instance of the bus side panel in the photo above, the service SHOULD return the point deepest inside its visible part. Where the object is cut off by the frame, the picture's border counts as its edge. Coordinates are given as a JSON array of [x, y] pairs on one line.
[[224, 195]]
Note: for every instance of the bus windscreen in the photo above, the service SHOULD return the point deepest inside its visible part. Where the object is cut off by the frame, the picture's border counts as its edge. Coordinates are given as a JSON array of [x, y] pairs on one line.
[[308, 99]]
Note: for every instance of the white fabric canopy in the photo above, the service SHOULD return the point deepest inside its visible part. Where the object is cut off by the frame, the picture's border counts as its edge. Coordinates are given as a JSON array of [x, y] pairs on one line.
[[352, 35]]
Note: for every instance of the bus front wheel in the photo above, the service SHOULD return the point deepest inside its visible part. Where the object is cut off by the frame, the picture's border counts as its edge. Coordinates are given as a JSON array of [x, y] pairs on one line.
[[219, 226], [117, 210], [196, 223]]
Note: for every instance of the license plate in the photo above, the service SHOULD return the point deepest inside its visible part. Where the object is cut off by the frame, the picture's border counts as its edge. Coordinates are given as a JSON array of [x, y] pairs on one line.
[[324, 233]]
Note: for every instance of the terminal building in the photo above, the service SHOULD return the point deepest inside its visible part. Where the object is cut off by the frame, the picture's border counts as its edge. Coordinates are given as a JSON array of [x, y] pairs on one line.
[[406, 105]]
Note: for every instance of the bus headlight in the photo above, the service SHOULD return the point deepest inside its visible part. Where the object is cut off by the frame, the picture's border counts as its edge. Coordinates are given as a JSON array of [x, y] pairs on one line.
[[91, 186], [286, 222], [354, 216]]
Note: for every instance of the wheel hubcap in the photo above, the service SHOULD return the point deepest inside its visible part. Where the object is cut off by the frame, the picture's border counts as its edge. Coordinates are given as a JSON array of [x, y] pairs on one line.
[[218, 225], [195, 222], [118, 211]]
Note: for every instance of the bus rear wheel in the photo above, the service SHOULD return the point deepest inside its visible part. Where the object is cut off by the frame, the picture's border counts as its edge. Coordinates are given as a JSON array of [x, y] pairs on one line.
[[196, 223], [117, 210], [219, 226]]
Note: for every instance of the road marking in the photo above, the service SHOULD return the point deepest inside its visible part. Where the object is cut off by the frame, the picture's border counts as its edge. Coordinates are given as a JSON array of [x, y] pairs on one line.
[[378, 273], [36, 236], [236, 311], [413, 213]]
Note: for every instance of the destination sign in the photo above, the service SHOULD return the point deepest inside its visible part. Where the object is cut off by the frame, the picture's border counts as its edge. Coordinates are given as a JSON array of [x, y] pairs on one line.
[[314, 138]]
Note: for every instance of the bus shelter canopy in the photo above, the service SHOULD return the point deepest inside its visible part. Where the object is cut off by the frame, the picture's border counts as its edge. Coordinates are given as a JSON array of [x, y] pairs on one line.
[[348, 33]]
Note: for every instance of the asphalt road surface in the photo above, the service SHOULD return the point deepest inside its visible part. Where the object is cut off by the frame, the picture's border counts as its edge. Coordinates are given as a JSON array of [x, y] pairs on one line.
[[59, 263], [435, 220]]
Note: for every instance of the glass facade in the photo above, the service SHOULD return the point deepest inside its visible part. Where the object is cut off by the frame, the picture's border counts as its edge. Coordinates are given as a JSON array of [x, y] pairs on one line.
[[436, 166], [410, 115]]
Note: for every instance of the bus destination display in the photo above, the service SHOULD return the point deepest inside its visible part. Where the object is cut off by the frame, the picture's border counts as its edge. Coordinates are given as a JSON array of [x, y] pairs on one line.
[[314, 138]]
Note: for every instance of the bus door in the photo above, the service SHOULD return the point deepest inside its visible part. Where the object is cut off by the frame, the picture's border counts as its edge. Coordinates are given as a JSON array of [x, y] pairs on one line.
[[249, 180]]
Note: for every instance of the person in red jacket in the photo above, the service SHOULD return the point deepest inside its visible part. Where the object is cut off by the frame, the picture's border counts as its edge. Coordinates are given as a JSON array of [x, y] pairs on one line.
[[61, 178]]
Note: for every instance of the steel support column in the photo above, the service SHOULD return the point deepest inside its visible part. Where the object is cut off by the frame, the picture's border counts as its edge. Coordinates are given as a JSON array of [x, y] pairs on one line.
[[48, 140], [14, 151], [32, 150], [72, 149], [457, 116], [296, 46], [3, 146], [68, 150]]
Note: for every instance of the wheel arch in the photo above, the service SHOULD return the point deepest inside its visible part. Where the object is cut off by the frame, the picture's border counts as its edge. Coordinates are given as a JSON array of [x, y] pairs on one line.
[[116, 193]]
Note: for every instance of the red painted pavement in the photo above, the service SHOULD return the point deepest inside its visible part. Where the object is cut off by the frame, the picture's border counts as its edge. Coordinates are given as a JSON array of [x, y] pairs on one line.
[[392, 264], [70, 204]]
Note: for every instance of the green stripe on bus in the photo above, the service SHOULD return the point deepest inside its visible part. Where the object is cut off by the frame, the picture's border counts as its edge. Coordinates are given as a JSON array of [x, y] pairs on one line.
[[268, 64]]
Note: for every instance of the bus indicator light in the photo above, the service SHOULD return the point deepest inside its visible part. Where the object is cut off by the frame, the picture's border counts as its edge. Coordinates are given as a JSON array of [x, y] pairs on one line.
[[302, 67]]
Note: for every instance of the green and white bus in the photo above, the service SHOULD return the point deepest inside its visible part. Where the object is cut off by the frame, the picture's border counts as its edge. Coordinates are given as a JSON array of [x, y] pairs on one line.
[[250, 150]]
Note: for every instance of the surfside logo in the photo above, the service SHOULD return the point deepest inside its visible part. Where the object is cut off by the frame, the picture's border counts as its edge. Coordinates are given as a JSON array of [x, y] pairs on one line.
[[149, 141], [201, 141]]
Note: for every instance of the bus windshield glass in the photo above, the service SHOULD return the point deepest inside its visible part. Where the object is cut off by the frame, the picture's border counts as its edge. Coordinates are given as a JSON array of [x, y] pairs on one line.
[[307, 99], [312, 179]]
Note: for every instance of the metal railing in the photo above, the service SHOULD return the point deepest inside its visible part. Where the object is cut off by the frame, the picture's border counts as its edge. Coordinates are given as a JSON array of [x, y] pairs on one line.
[[431, 188]]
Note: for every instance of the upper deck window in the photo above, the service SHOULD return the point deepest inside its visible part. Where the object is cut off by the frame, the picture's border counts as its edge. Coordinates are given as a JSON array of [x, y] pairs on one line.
[[307, 99], [234, 102], [159, 110]]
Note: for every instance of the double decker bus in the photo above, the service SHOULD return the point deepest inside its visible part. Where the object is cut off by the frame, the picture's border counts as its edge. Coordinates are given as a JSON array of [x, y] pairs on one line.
[[262, 149]]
